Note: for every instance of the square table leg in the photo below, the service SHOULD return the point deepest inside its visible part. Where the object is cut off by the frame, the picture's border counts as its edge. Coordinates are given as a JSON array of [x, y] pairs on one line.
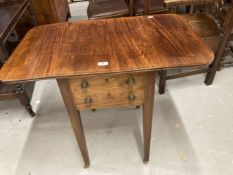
[[75, 118], [148, 112]]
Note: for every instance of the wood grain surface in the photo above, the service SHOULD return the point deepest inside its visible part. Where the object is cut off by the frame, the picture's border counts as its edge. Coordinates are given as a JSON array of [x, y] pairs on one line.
[[108, 91], [128, 44]]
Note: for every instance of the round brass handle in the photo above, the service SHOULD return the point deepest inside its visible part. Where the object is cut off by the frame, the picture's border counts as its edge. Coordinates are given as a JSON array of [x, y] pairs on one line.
[[84, 84], [131, 97], [131, 81], [88, 100]]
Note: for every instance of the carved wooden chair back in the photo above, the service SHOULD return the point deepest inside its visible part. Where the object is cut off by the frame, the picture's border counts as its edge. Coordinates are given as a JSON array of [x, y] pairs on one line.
[[145, 7], [102, 9], [196, 4]]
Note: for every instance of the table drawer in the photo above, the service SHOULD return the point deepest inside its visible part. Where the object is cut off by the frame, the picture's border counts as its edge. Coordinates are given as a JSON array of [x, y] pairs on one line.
[[108, 91]]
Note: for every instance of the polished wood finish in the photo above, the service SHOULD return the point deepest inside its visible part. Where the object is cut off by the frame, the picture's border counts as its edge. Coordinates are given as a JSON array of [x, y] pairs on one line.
[[75, 118], [205, 28], [127, 44], [119, 49], [51, 11], [227, 29], [108, 91], [22, 92]]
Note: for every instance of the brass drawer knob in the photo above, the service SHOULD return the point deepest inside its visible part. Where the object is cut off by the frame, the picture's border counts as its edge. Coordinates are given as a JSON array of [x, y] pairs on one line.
[[131, 97], [88, 100], [84, 84], [131, 81]]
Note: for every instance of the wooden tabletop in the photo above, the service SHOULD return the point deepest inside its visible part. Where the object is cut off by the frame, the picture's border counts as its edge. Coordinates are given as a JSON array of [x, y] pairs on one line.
[[122, 44]]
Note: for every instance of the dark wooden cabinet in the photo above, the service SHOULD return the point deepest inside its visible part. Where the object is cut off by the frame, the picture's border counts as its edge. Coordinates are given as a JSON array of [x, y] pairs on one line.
[[11, 13], [50, 11]]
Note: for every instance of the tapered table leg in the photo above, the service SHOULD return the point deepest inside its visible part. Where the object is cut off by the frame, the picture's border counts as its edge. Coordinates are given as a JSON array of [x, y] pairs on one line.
[[75, 118], [3, 52], [148, 112]]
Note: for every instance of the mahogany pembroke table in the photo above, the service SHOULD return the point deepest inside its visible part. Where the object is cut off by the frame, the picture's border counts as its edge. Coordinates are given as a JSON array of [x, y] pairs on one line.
[[106, 63]]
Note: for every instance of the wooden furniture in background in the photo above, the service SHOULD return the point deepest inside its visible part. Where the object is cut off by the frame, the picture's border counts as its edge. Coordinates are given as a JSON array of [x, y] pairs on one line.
[[100, 9], [226, 23], [227, 59], [142, 7], [51, 11], [173, 4], [10, 14], [94, 70], [216, 36]]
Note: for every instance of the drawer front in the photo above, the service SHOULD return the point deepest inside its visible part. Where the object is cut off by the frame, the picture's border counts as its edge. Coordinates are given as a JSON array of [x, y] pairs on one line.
[[107, 91]]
